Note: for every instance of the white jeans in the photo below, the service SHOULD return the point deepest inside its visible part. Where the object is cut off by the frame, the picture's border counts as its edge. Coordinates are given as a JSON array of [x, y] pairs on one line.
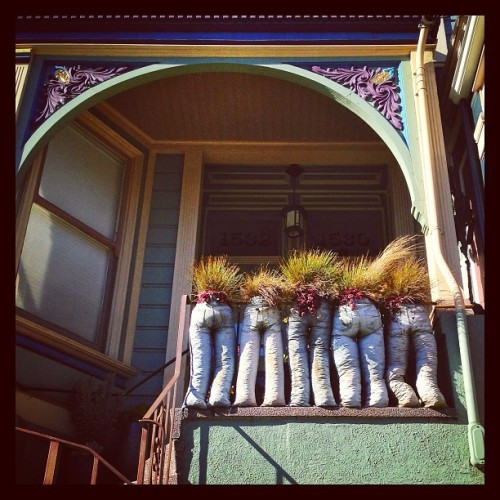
[[211, 329], [358, 351], [314, 368], [260, 319], [412, 322]]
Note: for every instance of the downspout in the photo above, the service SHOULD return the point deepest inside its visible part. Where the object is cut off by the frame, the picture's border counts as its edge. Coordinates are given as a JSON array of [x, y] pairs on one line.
[[475, 431]]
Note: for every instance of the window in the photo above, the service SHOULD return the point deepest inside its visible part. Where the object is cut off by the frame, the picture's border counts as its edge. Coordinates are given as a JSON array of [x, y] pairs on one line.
[[76, 247]]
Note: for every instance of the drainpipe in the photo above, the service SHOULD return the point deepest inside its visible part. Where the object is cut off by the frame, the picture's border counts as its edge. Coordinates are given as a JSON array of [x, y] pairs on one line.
[[475, 431]]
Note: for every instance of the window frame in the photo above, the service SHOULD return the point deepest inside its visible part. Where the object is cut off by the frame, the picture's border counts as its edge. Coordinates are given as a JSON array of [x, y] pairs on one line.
[[114, 317]]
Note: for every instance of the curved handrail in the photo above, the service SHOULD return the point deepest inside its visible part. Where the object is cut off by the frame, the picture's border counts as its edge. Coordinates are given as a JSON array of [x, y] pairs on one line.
[[53, 457]]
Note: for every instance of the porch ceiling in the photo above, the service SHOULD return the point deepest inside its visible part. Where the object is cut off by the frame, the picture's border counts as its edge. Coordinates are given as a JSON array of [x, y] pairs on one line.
[[238, 107]]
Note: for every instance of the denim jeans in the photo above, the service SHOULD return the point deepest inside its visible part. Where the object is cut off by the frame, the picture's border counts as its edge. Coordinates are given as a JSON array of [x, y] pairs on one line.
[[313, 368], [358, 352], [211, 329], [411, 322], [260, 319]]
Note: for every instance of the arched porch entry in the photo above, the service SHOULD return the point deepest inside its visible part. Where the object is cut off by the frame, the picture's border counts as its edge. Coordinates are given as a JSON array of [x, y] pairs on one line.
[[205, 153], [286, 72]]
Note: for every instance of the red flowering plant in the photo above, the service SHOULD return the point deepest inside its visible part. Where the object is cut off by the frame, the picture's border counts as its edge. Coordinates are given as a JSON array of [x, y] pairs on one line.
[[212, 296], [215, 279], [350, 295], [311, 277], [307, 299]]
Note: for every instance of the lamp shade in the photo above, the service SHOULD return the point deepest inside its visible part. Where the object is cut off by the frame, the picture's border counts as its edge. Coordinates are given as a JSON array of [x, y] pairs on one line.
[[294, 222], [294, 214]]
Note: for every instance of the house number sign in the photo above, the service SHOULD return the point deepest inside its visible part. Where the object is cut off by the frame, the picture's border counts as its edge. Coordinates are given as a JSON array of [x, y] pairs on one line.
[[243, 233], [347, 232]]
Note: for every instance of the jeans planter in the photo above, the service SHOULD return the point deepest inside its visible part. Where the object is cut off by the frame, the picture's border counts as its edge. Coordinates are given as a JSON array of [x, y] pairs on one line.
[[358, 352], [410, 323], [310, 367], [260, 319], [211, 330]]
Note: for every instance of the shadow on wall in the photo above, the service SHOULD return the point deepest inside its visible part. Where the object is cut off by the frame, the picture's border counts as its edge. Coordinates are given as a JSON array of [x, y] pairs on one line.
[[186, 446], [280, 473]]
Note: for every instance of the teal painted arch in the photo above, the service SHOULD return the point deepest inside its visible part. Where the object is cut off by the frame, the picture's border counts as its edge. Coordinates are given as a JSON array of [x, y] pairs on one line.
[[300, 76]]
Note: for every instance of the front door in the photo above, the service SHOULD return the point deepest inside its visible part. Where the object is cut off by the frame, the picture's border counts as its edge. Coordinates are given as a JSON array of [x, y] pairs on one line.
[[345, 210]]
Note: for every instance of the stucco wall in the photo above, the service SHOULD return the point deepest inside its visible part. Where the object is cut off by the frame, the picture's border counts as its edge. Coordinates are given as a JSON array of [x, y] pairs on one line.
[[319, 451]]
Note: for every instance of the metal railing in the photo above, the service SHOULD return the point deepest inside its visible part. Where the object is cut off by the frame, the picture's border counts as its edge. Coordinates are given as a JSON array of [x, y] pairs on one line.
[[54, 456], [155, 453]]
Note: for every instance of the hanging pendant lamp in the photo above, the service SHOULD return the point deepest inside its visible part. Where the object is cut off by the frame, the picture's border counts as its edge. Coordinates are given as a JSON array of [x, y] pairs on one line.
[[294, 213]]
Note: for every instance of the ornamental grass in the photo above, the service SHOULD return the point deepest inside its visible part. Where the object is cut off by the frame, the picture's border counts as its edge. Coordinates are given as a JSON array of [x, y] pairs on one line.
[[362, 276], [407, 283], [318, 269], [215, 278], [310, 276], [268, 284]]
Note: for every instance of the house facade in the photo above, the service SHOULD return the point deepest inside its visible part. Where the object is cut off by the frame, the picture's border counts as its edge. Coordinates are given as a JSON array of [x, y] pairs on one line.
[[145, 142]]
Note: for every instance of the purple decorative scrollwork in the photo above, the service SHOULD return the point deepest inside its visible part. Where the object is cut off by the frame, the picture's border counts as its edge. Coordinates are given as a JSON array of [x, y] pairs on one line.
[[376, 86], [69, 82]]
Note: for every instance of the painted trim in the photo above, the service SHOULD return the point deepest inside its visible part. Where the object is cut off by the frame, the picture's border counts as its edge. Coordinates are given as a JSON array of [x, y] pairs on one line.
[[119, 313], [469, 59], [138, 261], [444, 201], [22, 69], [399, 207], [376, 84], [262, 35], [119, 120], [26, 202], [418, 208], [277, 50], [185, 253], [284, 152], [214, 147], [23, 52], [479, 135], [439, 288], [109, 136], [77, 354], [479, 78], [62, 83]]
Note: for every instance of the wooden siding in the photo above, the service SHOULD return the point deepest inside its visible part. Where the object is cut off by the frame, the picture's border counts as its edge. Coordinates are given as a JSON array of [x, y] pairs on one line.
[[153, 314]]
